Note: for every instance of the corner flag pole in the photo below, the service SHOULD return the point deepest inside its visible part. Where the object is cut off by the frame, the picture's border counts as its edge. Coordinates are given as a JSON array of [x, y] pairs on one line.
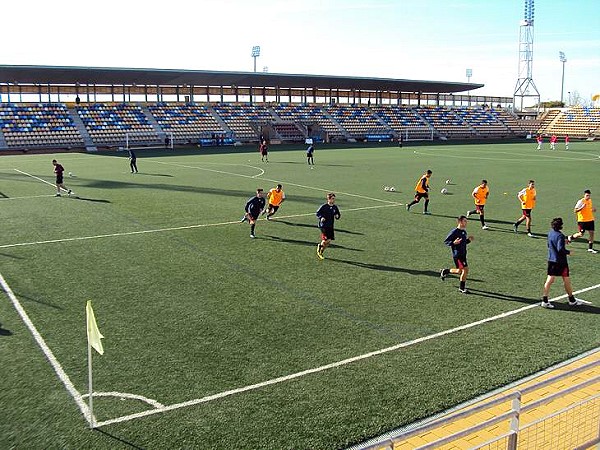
[[91, 402], [94, 340]]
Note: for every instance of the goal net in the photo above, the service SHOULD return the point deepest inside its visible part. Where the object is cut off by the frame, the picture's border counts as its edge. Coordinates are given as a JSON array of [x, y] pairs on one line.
[[137, 140], [417, 134]]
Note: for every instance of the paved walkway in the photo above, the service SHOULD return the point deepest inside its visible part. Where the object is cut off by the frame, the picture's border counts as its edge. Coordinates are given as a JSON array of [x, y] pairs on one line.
[[566, 430]]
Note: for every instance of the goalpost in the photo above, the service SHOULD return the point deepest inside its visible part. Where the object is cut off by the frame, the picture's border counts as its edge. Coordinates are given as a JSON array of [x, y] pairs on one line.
[[138, 140], [417, 134]]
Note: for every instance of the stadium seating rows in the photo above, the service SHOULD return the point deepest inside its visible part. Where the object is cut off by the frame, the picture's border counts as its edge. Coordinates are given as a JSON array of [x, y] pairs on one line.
[[53, 125]]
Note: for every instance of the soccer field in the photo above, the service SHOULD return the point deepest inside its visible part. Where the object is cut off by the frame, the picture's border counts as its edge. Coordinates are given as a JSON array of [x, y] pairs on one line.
[[216, 340]]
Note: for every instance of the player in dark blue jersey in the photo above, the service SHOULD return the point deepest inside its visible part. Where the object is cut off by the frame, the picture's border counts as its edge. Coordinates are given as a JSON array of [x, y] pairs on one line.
[[327, 214], [457, 240], [254, 206], [558, 265]]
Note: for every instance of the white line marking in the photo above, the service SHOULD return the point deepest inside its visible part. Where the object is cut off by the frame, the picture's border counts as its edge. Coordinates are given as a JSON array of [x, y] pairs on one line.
[[124, 395], [28, 196], [273, 181], [39, 179], [184, 227], [332, 365], [63, 377], [550, 158]]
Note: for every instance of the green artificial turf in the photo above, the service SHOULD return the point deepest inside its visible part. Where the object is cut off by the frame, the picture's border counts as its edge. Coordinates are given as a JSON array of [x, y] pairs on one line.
[[191, 307]]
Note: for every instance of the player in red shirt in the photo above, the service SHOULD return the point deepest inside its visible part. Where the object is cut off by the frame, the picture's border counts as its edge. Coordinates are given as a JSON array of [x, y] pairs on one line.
[[553, 140], [567, 142], [539, 140], [58, 171]]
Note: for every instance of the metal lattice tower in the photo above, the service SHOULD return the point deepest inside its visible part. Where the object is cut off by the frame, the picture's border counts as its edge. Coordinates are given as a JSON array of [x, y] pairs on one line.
[[525, 86]]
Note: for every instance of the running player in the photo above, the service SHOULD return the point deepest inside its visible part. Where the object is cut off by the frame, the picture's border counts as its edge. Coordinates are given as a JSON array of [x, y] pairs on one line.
[[254, 206], [59, 171], [327, 214], [422, 191], [275, 197], [480, 195], [558, 265], [457, 240], [527, 197], [584, 209]]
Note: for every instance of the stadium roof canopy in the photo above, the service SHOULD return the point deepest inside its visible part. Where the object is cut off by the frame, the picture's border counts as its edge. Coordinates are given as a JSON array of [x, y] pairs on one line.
[[54, 75]]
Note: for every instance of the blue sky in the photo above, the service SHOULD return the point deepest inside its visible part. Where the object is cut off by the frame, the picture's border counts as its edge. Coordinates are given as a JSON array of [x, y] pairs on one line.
[[416, 39]]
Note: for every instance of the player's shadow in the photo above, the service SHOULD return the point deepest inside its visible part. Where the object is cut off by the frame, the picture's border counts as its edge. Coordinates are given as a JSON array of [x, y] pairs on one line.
[[119, 439], [35, 300], [94, 200], [4, 331], [430, 273], [500, 296], [588, 309], [306, 225], [11, 256], [307, 243], [154, 174]]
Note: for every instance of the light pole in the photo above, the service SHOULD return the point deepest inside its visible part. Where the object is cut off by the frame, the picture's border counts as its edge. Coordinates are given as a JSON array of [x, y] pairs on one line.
[[563, 60], [255, 54], [469, 75]]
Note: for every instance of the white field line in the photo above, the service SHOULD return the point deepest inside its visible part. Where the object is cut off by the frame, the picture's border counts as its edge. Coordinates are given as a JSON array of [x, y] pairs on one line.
[[38, 178], [274, 181], [183, 227], [27, 196], [330, 366], [63, 377], [549, 158]]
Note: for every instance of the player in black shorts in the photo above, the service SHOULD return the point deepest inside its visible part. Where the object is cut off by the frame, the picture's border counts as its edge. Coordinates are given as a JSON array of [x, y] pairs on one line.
[[327, 214], [558, 265], [254, 206], [59, 172]]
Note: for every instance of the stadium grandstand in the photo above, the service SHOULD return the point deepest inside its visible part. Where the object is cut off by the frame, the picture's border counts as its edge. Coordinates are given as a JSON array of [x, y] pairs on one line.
[[45, 107]]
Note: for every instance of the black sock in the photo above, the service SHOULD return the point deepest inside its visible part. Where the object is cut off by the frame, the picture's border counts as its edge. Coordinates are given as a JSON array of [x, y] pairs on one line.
[[590, 245], [482, 220], [545, 299], [463, 285], [252, 228], [571, 299], [426, 205]]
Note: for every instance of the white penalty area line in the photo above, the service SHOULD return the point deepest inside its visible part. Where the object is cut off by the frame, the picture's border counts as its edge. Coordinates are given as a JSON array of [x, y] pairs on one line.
[[332, 365], [271, 180], [184, 227], [62, 376]]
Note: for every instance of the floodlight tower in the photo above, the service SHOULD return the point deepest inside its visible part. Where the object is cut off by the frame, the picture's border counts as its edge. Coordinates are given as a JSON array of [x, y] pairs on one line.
[[255, 54], [563, 60], [525, 86]]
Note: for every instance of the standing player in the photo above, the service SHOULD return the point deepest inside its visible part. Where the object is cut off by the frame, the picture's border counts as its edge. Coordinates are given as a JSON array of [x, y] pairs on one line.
[[309, 155], [566, 142], [527, 197], [275, 197], [539, 140], [58, 171], [422, 191], [480, 195], [264, 151], [584, 209], [553, 140], [457, 240], [327, 214], [558, 265], [132, 161], [254, 206]]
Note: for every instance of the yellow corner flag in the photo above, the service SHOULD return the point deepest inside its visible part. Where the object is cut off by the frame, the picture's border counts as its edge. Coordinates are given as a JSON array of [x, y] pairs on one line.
[[93, 333]]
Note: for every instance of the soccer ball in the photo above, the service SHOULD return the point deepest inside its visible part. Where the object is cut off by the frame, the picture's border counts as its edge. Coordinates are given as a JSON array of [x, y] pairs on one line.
[[448, 181], [70, 174], [444, 191], [392, 189], [386, 188]]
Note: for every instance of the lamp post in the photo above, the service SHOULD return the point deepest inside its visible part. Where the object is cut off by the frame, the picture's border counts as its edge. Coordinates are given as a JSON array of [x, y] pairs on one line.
[[563, 60], [255, 54]]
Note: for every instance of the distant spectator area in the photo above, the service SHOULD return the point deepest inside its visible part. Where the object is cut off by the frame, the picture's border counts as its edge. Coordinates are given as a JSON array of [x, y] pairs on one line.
[[38, 125]]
